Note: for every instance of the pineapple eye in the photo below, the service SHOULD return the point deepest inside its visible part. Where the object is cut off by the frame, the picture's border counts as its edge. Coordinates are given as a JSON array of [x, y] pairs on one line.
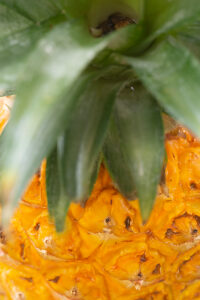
[[20, 296], [74, 291], [169, 233], [22, 246], [127, 222], [107, 220], [194, 231], [193, 185], [55, 279], [37, 226], [143, 258], [157, 269], [47, 241], [2, 237], [29, 279]]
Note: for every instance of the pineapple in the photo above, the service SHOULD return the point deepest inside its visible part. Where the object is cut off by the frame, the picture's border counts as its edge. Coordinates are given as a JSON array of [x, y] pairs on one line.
[[93, 80], [109, 254]]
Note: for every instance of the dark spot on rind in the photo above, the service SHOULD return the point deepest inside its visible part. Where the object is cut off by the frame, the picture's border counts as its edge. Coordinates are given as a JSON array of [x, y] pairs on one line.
[[29, 279], [197, 218], [169, 233], [163, 177], [55, 279], [127, 222], [139, 274], [2, 237], [193, 185], [20, 296], [22, 251], [108, 220], [194, 231], [37, 226], [74, 291], [143, 258], [157, 269], [149, 233], [111, 202]]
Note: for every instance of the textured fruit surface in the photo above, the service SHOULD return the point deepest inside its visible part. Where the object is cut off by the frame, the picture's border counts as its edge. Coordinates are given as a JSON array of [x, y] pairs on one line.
[[106, 252]]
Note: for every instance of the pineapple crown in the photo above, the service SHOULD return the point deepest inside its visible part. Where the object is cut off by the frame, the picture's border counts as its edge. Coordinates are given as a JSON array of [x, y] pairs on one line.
[[84, 96]]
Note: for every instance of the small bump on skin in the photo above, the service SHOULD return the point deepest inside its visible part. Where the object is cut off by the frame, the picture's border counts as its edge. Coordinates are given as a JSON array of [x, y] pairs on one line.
[[193, 185], [143, 258], [19, 296], [169, 233], [55, 279], [29, 279], [74, 291], [107, 220], [156, 270], [2, 237], [194, 231], [37, 227], [22, 251], [47, 241], [197, 218], [127, 222]]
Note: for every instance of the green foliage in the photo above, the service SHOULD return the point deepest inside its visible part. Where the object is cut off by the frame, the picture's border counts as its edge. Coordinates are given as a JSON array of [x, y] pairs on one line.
[[172, 74], [80, 146], [48, 95], [64, 76], [134, 148], [35, 11]]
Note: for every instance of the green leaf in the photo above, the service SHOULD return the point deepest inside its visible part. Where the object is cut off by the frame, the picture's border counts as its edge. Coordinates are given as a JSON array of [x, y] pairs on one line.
[[95, 173], [35, 11], [98, 10], [18, 37], [116, 161], [84, 137], [75, 163], [172, 74], [47, 93], [164, 17], [134, 148], [128, 38], [14, 51], [11, 21], [53, 185], [190, 37], [58, 202], [77, 8]]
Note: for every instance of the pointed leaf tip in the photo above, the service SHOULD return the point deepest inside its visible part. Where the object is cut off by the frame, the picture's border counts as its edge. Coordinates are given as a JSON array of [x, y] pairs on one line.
[[134, 148]]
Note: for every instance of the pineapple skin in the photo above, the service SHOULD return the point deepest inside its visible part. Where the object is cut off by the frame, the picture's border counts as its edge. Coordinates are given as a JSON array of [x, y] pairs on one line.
[[106, 252]]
